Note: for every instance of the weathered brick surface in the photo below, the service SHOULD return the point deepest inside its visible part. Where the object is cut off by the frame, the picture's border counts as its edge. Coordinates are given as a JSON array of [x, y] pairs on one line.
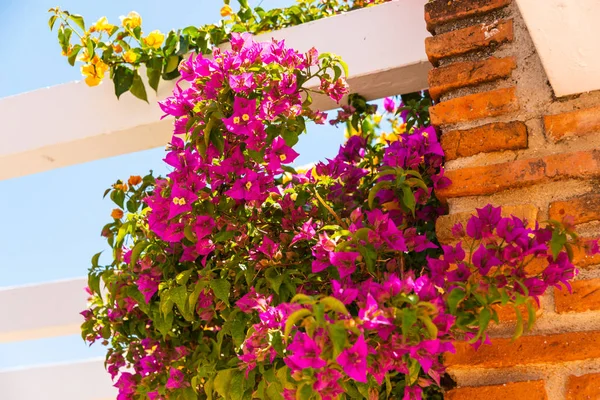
[[468, 73], [585, 387], [503, 353], [494, 178], [582, 259], [533, 390], [575, 123], [507, 313], [583, 209], [484, 139], [444, 224], [469, 39], [443, 11], [584, 297], [474, 106]]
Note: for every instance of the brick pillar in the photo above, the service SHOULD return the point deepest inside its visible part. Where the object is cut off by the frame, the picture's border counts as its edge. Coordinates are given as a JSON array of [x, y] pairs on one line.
[[509, 141]]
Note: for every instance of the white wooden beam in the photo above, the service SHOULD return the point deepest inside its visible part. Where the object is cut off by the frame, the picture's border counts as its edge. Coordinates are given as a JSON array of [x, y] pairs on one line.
[[86, 380], [44, 310], [71, 123]]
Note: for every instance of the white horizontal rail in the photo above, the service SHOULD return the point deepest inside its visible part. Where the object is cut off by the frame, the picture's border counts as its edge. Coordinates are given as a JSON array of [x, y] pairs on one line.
[[71, 123], [44, 310], [86, 380]]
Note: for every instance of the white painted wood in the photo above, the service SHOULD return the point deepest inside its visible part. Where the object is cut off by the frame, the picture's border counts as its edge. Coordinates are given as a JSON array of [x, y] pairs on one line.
[[43, 310], [72, 123], [565, 34], [86, 380]]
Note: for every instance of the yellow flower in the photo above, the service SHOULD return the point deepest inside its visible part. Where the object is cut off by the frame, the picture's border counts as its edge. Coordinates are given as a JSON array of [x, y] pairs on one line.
[[154, 39], [226, 10], [94, 71], [132, 20], [377, 118], [130, 56], [103, 25]]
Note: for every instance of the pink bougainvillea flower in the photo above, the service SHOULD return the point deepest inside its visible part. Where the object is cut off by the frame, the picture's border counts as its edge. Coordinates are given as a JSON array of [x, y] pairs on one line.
[[413, 393], [344, 261], [354, 360], [244, 115], [327, 383], [204, 226], [389, 104], [254, 301], [242, 83], [279, 154], [484, 259], [148, 285], [268, 247], [307, 232], [248, 188], [306, 353], [126, 385], [182, 201], [344, 293], [176, 379]]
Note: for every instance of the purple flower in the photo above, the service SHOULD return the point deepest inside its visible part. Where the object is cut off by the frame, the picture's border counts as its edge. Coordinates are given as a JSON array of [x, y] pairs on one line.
[[175, 380], [484, 259], [243, 117], [148, 285], [389, 105], [354, 360], [181, 201], [306, 353], [344, 261], [242, 83]]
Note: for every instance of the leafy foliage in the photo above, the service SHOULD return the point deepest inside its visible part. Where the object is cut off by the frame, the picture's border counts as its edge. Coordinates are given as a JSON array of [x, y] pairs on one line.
[[122, 50]]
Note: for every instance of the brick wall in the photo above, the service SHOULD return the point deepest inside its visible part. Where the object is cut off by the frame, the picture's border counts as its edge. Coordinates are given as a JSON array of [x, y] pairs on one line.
[[509, 141]]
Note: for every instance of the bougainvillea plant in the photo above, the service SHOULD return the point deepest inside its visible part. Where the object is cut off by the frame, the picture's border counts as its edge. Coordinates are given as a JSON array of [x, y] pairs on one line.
[[239, 277], [121, 50]]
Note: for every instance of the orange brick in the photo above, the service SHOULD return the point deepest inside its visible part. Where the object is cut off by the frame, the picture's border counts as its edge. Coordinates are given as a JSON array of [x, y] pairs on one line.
[[583, 209], [477, 181], [585, 387], [444, 11], [549, 349], [474, 106], [444, 224], [507, 313], [484, 139], [584, 297], [467, 40], [469, 73], [582, 259], [533, 390], [575, 123]]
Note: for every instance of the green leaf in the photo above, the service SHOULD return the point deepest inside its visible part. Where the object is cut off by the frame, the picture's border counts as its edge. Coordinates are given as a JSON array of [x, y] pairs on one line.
[[94, 283], [78, 19], [375, 189], [334, 304], [431, 328], [183, 277], [222, 382], [338, 336], [408, 198], [294, 318], [95, 260], [137, 87], [172, 64], [179, 295], [137, 251], [274, 278], [290, 138], [51, 21], [409, 317], [456, 296], [519, 327], [557, 242], [122, 79], [221, 289]]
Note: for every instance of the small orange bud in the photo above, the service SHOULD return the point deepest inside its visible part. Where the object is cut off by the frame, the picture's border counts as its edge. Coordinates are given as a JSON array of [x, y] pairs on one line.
[[117, 213], [117, 48], [134, 180]]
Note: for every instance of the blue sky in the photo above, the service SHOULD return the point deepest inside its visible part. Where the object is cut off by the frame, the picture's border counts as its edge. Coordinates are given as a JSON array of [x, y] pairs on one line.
[[51, 221]]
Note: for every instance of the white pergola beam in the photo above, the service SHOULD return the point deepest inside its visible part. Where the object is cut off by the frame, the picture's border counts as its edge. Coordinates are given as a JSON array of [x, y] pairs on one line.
[[86, 380], [40, 311], [71, 123]]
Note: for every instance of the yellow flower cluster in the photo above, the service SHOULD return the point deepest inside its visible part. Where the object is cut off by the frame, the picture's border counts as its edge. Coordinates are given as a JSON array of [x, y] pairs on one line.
[[132, 20], [102, 25], [226, 11], [154, 39], [94, 71]]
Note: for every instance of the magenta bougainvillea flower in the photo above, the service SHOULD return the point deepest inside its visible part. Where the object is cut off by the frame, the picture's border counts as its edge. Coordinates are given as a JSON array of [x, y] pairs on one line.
[[239, 272]]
